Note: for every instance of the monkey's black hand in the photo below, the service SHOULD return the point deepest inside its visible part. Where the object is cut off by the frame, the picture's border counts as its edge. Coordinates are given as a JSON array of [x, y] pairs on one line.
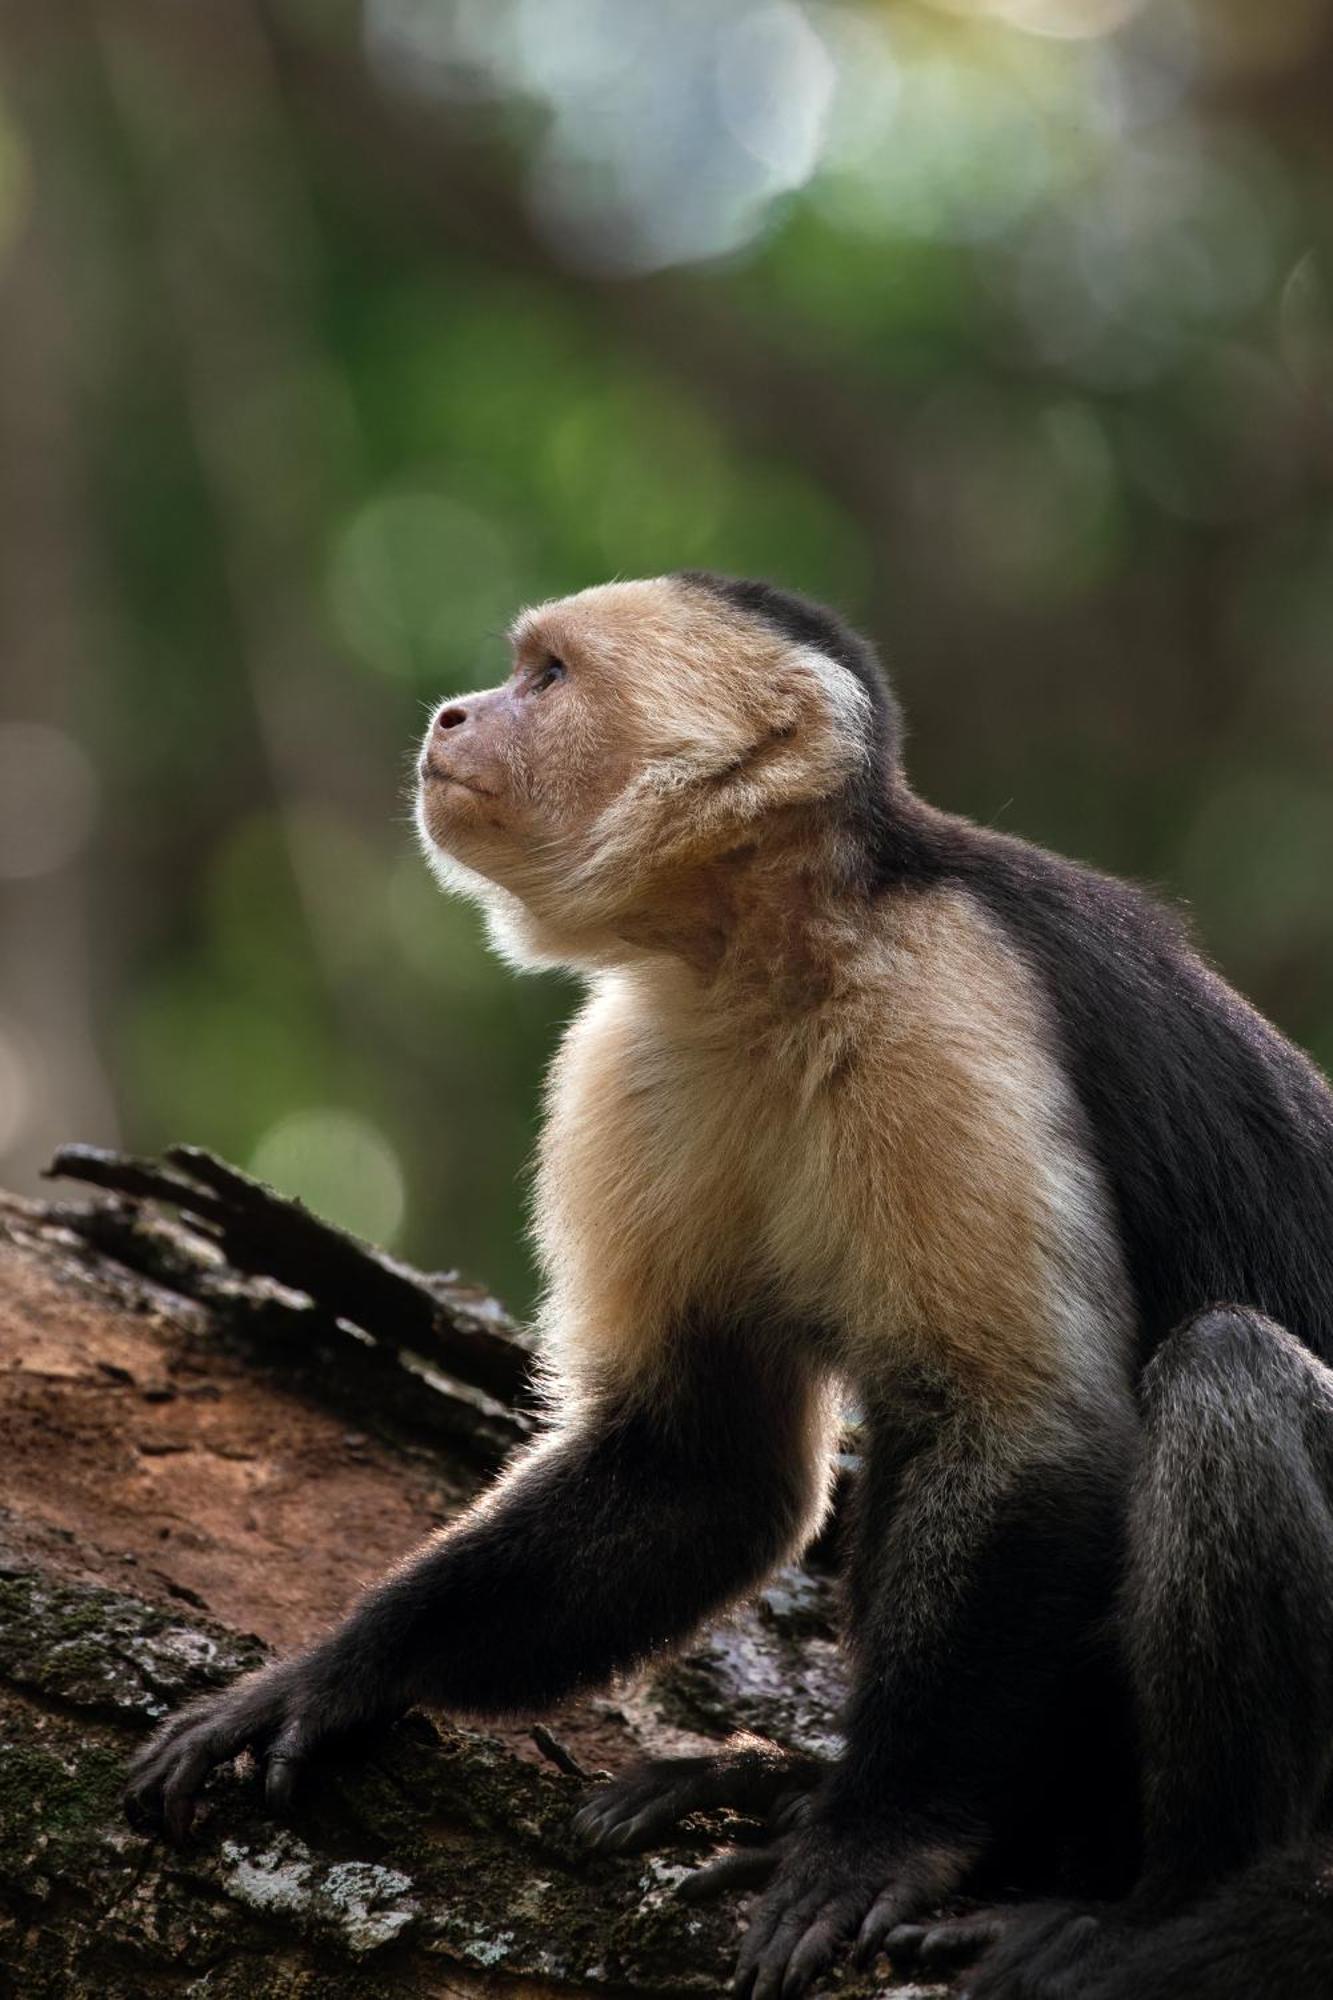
[[283, 1713], [835, 1883], [643, 1806]]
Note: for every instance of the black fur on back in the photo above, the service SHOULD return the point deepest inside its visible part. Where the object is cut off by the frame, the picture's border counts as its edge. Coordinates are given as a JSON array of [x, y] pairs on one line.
[[1214, 1132]]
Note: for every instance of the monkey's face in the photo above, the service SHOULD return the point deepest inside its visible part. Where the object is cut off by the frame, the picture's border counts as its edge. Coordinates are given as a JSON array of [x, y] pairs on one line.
[[646, 731]]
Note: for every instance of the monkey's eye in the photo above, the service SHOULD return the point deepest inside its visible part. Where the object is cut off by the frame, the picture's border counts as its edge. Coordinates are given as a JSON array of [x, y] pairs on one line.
[[547, 675]]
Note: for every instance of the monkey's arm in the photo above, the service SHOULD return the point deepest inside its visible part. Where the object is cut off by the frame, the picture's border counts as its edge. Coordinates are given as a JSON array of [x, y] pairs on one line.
[[611, 1539], [968, 1611]]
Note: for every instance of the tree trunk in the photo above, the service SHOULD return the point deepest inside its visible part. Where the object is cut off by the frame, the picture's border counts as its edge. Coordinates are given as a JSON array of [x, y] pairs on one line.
[[199, 1449]]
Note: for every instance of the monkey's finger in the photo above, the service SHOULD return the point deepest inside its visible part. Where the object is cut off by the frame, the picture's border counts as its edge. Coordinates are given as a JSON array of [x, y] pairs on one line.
[[143, 1808], [903, 1945], [649, 1801], [197, 1757], [890, 1909], [797, 1947], [744, 1868], [589, 1822], [151, 1774], [153, 1764], [280, 1773], [608, 1807], [790, 1811], [280, 1782], [169, 1771], [946, 1946], [818, 1947], [601, 1830], [1046, 1958], [759, 1967], [613, 1826], [595, 1829], [772, 1934], [288, 1755], [640, 1830], [142, 1799]]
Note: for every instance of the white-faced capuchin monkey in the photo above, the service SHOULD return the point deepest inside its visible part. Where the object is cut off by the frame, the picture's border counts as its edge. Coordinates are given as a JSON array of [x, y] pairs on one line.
[[865, 1098]]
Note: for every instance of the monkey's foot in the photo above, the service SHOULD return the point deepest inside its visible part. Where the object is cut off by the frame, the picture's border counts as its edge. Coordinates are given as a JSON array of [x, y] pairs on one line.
[[1043, 1951], [750, 1776], [834, 1885], [946, 1945]]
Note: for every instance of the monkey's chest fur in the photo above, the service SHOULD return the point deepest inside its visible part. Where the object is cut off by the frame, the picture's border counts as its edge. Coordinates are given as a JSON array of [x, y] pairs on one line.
[[899, 1163]]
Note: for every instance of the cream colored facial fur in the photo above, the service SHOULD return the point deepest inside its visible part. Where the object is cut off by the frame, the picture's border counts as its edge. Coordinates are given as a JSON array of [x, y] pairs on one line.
[[617, 795]]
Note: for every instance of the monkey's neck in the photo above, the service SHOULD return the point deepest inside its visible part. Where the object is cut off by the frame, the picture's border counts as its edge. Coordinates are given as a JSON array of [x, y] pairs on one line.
[[757, 935]]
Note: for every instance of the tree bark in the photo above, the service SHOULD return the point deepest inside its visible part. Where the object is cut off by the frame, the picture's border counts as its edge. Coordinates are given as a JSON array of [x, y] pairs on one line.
[[176, 1386]]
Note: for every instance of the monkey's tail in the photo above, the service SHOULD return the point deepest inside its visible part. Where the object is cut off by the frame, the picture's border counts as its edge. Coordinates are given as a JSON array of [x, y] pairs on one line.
[[1267, 1934]]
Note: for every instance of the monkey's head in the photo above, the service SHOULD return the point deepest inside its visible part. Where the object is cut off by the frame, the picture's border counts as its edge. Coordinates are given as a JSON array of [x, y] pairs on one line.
[[655, 743]]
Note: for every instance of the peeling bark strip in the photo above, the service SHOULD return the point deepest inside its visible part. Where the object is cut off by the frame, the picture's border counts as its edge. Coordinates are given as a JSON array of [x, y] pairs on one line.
[[442, 1863], [265, 1234], [293, 1282]]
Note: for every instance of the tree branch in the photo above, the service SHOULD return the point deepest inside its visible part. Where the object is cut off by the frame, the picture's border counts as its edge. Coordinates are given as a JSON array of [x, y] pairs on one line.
[[443, 1861]]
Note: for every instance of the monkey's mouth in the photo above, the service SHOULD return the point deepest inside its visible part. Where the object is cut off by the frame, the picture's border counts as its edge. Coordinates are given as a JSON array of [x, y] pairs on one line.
[[432, 772]]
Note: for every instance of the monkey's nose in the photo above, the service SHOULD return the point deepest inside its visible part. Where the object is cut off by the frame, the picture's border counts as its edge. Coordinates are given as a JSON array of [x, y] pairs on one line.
[[452, 717]]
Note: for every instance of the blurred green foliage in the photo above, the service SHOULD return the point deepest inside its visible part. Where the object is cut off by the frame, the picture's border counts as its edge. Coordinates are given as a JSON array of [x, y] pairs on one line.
[[1003, 326]]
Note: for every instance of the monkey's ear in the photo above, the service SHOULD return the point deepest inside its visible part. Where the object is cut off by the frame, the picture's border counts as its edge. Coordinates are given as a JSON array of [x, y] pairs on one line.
[[824, 714]]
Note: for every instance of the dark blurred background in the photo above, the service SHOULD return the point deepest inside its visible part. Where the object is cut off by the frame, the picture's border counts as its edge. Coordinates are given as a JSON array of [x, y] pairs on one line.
[[330, 333]]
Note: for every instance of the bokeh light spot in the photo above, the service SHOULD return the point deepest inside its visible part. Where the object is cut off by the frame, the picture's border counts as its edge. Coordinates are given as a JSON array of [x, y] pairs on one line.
[[1064, 20], [19, 1085], [775, 82], [48, 799], [419, 582], [341, 1165]]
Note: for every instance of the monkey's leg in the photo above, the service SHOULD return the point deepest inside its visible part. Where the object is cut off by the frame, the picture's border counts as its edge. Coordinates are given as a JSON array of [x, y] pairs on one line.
[[608, 1541], [981, 1563], [750, 1776], [1229, 1604], [1228, 1620]]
